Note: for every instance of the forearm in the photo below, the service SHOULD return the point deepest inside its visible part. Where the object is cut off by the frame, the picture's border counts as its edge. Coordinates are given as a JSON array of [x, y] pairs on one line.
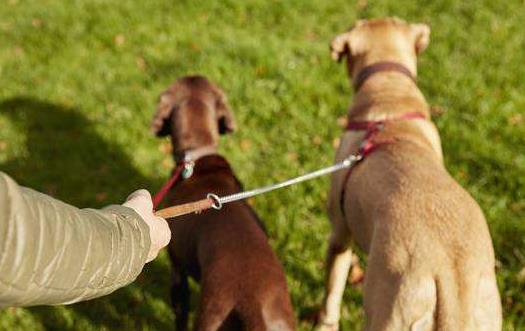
[[54, 253]]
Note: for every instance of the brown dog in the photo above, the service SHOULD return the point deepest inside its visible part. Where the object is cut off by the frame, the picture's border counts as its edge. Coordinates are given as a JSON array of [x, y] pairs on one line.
[[430, 256], [243, 286]]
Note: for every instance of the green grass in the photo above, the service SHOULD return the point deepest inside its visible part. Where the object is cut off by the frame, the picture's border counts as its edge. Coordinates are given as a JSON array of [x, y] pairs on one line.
[[79, 82]]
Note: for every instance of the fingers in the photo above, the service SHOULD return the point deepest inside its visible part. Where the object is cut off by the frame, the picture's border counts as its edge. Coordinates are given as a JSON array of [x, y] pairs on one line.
[[159, 230], [160, 234]]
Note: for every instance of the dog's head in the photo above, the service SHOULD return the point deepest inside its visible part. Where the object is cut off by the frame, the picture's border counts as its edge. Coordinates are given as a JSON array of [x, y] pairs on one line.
[[388, 39], [194, 112]]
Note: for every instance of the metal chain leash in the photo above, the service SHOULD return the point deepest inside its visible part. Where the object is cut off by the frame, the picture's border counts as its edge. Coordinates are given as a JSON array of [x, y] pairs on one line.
[[348, 162]]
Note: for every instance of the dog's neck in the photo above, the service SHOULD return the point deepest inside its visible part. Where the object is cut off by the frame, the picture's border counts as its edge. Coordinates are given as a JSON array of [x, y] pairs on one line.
[[384, 66], [192, 155], [386, 93], [215, 164], [211, 163]]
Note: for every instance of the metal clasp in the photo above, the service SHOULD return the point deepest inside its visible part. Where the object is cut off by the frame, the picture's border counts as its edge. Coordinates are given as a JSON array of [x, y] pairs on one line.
[[217, 204], [188, 169]]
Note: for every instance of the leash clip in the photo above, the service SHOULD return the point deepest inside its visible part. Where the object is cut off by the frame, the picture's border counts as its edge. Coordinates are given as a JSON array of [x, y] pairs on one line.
[[349, 161], [217, 204], [188, 169]]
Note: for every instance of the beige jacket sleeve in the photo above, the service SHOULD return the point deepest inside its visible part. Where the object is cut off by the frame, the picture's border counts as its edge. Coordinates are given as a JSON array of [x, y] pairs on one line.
[[54, 253]]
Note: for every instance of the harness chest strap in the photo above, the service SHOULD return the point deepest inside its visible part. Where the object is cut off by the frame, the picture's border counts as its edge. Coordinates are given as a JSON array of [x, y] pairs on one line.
[[369, 145], [161, 194]]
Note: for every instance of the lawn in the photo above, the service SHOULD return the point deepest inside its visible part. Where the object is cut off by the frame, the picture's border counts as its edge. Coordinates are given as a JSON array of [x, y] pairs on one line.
[[79, 81]]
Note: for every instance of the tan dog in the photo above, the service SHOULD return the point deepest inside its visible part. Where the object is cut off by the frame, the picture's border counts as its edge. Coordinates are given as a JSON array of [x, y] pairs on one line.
[[430, 255]]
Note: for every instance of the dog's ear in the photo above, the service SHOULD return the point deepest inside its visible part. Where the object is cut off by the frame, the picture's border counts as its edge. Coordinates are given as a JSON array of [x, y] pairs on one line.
[[347, 44], [161, 123], [225, 118], [422, 36], [340, 46]]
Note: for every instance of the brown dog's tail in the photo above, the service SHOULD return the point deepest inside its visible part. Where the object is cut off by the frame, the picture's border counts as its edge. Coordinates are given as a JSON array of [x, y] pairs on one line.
[[266, 312], [213, 314]]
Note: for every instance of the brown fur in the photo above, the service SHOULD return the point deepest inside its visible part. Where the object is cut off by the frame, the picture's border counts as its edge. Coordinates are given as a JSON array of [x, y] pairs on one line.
[[243, 286], [430, 256]]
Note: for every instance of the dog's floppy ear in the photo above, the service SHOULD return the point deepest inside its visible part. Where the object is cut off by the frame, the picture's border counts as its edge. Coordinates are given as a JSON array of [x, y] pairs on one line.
[[161, 123], [225, 118], [340, 46], [346, 43], [422, 36]]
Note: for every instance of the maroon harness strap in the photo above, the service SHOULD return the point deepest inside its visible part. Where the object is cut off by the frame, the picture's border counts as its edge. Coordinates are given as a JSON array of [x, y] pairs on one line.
[[372, 69], [369, 144], [161, 194]]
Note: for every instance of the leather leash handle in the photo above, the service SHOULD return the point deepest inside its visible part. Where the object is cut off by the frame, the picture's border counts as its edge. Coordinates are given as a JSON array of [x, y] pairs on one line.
[[184, 209]]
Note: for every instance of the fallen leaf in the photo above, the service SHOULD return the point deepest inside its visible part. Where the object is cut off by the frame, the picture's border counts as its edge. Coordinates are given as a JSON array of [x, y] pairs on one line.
[[292, 156], [50, 189], [336, 142], [361, 4], [357, 274], [6, 26], [19, 51], [316, 140], [245, 145], [165, 147], [102, 196], [141, 63], [437, 111], [195, 47], [260, 70], [167, 163], [312, 36], [342, 121], [516, 119], [119, 39], [36, 22], [521, 276]]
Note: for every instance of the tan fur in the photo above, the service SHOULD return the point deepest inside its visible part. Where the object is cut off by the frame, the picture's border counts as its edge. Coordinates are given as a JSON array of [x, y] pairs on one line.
[[430, 255]]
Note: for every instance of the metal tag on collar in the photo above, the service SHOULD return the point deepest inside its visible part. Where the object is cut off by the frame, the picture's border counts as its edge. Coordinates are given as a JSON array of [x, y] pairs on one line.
[[188, 169]]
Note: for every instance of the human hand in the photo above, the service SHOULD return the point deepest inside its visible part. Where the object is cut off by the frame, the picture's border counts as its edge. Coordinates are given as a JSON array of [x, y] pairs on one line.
[[159, 231]]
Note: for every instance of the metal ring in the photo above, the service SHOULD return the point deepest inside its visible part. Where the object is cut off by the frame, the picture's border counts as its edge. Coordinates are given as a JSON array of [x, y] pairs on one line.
[[217, 204]]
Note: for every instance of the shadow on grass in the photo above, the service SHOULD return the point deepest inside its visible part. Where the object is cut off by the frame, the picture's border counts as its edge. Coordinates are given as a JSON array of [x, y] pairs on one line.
[[69, 160]]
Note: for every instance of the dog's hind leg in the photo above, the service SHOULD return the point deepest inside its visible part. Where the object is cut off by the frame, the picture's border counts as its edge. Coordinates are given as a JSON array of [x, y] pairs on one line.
[[338, 263], [180, 298]]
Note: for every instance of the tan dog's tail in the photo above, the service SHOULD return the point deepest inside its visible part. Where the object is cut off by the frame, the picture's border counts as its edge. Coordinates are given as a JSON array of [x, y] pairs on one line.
[[467, 301], [449, 305]]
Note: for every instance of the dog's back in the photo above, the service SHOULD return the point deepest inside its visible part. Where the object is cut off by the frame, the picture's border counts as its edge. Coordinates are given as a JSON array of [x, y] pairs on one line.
[[431, 260], [227, 251]]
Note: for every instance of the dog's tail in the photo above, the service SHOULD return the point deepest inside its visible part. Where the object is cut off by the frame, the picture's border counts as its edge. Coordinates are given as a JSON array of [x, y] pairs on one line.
[[276, 316], [213, 314], [450, 304], [467, 301]]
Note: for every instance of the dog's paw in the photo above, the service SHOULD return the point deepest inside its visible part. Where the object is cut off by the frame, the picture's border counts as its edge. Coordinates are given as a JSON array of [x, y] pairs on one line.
[[317, 318], [323, 326]]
